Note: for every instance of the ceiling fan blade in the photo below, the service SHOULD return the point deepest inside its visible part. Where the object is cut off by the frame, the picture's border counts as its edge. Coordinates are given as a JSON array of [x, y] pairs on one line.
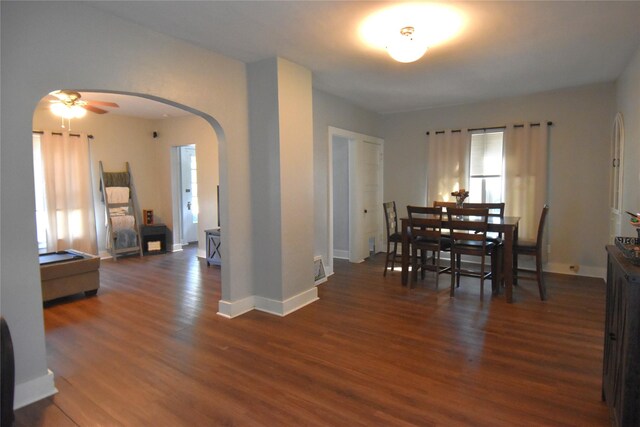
[[103, 103], [94, 109]]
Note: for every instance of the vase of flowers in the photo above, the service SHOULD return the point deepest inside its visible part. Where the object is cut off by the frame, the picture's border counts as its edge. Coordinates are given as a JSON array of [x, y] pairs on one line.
[[460, 196], [635, 221]]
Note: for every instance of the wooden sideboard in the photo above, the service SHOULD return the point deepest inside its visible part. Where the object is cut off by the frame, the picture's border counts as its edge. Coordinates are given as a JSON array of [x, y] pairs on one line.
[[621, 364]]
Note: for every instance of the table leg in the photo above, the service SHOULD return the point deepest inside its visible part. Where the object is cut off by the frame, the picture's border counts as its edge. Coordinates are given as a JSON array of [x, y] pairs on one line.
[[509, 236], [405, 253]]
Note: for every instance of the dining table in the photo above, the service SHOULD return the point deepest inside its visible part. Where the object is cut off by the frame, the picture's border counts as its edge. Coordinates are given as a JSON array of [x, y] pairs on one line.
[[507, 225]]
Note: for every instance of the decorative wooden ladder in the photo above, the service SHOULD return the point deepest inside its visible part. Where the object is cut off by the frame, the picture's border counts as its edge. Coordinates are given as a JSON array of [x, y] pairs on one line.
[[131, 210]]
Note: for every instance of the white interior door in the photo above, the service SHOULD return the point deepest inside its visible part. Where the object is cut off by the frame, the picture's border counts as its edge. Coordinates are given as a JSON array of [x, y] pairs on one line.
[[189, 193], [615, 190], [365, 189]]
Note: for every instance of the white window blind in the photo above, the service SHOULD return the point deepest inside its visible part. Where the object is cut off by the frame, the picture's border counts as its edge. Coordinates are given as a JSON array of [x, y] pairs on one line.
[[486, 167]]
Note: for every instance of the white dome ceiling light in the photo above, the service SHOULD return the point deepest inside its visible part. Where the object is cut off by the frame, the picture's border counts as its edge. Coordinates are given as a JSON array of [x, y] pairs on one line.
[[407, 31]]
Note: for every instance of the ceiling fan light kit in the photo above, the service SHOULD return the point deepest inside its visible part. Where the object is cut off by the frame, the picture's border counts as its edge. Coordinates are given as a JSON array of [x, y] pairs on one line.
[[68, 111], [68, 105]]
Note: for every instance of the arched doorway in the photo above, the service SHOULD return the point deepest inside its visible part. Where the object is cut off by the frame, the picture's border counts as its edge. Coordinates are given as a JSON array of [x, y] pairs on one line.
[[143, 132]]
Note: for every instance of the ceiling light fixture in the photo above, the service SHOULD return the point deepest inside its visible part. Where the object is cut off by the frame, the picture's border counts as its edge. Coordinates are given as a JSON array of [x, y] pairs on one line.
[[406, 47], [408, 30], [67, 106]]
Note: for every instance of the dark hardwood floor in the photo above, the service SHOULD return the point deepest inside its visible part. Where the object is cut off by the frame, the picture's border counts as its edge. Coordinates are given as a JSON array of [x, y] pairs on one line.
[[150, 350]]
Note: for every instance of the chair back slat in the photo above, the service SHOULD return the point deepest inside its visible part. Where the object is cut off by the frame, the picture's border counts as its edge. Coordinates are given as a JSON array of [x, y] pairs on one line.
[[468, 223], [443, 205], [425, 222], [495, 209], [393, 237], [391, 217]]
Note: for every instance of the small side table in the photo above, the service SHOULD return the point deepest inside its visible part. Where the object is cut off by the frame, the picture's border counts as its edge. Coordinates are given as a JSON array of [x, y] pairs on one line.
[[213, 246], [154, 239]]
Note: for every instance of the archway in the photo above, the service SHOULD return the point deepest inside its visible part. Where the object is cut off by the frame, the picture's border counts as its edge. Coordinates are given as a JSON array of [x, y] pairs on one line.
[[143, 136]]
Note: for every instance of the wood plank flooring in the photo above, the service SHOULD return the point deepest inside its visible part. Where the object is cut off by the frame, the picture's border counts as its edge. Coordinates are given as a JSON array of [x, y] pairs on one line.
[[150, 350]]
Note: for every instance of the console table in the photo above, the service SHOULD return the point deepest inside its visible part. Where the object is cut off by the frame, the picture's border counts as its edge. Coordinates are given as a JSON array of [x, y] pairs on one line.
[[620, 372], [213, 246]]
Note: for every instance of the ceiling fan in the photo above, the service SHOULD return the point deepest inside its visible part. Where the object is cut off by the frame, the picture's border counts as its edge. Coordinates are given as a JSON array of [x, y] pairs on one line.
[[69, 105]]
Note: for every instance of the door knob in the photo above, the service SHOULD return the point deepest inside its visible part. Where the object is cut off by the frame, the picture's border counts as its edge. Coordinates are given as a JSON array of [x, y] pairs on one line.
[[189, 205]]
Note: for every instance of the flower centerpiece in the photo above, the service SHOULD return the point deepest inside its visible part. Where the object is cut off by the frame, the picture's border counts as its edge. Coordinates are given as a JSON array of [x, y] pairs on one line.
[[635, 221], [460, 196]]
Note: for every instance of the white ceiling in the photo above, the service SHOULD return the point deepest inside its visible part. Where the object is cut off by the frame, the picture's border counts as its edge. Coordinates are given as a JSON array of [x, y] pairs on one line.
[[506, 48]]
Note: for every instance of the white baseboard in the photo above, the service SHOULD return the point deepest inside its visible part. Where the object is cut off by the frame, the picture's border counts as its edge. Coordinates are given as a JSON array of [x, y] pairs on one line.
[[551, 267], [201, 253], [282, 308], [231, 309], [104, 255], [583, 270], [176, 247], [328, 269], [340, 254], [33, 390]]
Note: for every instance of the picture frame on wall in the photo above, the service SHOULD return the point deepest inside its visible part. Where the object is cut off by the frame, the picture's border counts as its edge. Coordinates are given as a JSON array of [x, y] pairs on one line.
[[320, 274]]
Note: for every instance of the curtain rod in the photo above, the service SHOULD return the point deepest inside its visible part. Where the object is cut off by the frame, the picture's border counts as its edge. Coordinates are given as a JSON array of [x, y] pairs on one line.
[[490, 128], [60, 133]]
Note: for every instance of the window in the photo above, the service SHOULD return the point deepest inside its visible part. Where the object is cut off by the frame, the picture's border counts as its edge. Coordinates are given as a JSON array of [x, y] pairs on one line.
[[63, 195], [486, 169]]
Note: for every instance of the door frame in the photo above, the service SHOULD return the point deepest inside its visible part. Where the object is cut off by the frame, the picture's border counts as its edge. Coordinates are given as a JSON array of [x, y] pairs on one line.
[[176, 198], [616, 161], [181, 149], [349, 136]]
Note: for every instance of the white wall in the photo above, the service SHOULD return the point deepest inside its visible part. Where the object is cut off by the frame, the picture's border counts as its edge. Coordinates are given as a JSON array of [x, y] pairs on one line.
[[329, 110], [628, 102], [578, 160], [42, 52]]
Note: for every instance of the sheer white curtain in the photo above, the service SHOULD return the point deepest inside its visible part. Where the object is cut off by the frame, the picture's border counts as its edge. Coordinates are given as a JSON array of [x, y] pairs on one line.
[[68, 192], [526, 175], [447, 164]]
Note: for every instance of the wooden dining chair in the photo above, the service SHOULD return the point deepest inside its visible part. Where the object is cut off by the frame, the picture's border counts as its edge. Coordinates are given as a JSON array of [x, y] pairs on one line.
[[393, 236], [528, 247], [468, 233], [425, 234], [496, 210]]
